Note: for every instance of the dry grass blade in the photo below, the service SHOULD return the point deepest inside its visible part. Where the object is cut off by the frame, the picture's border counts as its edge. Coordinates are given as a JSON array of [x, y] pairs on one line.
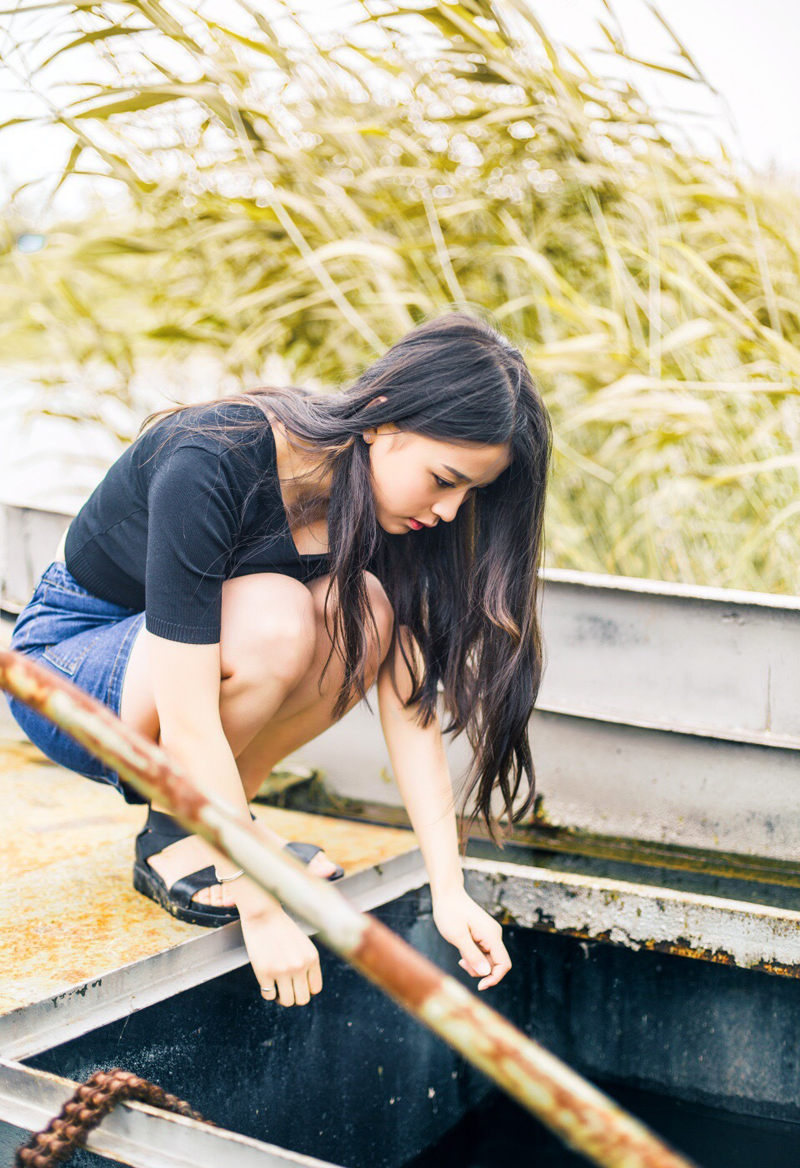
[[313, 196]]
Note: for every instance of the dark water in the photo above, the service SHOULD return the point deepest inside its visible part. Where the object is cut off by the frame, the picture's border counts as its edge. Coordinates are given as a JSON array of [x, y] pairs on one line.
[[500, 1133], [357, 1082]]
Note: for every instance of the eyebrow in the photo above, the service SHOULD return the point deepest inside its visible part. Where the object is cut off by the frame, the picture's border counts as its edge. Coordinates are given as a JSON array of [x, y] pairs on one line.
[[459, 474]]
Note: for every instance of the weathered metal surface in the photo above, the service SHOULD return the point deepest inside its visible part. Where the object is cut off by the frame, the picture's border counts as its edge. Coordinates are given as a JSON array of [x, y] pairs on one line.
[[708, 661], [66, 982], [699, 1032], [696, 1031], [137, 1134], [352, 1078], [609, 778], [583, 1117], [605, 778], [665, 787], [118, 992], [541, 835], [639, 916], [68, 849], [648, 854]]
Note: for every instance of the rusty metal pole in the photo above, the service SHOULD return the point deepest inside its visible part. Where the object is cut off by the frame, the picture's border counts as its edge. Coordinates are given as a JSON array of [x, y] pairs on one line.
[[583, 1117]]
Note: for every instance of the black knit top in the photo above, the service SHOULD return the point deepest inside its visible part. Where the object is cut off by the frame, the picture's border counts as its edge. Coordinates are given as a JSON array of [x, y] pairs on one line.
[[161, 535]]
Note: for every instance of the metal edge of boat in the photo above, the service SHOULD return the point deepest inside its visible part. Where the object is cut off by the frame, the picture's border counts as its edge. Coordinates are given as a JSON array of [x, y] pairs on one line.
[[30, 1029], [135, 1133], [640, 916]]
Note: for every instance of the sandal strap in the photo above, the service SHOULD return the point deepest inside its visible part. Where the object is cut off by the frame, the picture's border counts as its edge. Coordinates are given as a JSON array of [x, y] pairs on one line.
[[166, 826], [184, 889], [305, 852], [159, 832], [152, 840]]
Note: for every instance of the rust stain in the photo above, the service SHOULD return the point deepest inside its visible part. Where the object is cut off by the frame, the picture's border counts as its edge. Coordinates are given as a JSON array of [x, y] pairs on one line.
[[678, 946], [15, 752], [67, 844], [394, 965], [540, 815]]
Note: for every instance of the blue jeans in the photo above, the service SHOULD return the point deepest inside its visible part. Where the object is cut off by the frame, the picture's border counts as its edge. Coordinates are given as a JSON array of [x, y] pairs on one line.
[[88, 640]]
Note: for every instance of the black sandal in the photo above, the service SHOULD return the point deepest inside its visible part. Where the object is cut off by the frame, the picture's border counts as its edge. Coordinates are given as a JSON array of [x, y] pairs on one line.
[[160, 831]]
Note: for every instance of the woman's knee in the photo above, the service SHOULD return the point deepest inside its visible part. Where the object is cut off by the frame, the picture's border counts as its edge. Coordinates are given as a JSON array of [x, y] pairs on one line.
[[381, 610], [268, 627]]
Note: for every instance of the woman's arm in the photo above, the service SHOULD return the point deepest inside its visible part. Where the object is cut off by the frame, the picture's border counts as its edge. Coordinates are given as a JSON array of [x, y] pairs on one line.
[[186, 683], [420, 768]]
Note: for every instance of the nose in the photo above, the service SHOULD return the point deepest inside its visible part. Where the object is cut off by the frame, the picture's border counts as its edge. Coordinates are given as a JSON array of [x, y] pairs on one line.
[[444, 512]]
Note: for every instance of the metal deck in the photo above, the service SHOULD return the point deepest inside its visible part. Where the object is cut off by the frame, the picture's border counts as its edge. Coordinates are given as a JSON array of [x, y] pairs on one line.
[[81, 948], [74, 929]]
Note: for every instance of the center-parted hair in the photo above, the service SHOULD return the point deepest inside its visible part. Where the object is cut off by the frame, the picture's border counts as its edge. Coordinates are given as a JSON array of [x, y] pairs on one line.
[[467, 590]]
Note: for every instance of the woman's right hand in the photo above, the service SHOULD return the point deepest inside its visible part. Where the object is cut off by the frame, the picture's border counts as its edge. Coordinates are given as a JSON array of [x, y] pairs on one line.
[[284, 960]]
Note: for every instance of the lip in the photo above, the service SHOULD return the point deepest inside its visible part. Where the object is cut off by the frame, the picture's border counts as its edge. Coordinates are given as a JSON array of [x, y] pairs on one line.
[[419, 521]]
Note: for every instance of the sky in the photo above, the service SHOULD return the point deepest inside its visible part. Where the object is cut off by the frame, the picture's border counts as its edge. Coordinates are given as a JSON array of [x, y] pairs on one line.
[[749, 52]]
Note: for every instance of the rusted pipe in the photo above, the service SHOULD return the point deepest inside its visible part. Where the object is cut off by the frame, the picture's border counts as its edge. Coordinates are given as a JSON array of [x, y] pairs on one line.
[[583, 1117]]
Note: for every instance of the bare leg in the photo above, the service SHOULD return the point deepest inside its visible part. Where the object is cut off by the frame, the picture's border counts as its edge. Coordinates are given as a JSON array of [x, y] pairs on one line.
[[266, 714], [307, 711]]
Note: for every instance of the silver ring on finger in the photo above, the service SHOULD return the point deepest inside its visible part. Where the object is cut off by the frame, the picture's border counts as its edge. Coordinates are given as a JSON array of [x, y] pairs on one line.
[[269, 990]]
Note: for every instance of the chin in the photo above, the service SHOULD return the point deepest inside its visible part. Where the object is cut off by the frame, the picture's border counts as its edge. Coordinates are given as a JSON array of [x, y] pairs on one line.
[[398, 526]]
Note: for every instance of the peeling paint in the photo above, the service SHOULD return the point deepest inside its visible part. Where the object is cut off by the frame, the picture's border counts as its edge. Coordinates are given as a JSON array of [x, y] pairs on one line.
[[639, 916]]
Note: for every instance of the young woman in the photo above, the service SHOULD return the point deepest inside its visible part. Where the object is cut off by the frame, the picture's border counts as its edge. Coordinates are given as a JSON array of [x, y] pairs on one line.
[[248, 567]]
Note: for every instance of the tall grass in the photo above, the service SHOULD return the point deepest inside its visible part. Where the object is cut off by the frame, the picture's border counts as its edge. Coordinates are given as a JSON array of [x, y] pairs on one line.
[[314, 197]]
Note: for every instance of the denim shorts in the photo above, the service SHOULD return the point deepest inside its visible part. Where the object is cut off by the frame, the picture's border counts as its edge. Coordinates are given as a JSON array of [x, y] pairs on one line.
[[87, 640]]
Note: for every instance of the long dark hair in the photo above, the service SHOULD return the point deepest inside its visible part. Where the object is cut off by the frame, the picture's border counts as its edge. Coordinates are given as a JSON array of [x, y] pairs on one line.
[[467, 590]]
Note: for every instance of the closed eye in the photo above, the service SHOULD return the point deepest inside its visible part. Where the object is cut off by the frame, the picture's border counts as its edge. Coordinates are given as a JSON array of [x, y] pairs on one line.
[[446, 483]]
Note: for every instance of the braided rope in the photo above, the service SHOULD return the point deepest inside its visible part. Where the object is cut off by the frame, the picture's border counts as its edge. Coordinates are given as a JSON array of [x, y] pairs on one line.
[[88, 1106]]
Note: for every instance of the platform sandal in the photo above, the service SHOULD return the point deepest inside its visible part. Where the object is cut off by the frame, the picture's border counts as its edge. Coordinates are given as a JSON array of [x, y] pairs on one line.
[[160, 831]]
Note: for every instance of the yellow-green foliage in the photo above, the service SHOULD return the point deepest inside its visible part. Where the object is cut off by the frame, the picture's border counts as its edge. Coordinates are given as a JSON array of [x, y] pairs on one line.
[[315, 201]]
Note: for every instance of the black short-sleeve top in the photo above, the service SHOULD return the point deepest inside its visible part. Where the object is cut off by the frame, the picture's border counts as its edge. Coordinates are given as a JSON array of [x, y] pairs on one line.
[[161, 534]]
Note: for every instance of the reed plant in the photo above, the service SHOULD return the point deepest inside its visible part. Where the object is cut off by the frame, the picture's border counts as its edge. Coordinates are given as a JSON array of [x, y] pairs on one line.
[[313, 196]]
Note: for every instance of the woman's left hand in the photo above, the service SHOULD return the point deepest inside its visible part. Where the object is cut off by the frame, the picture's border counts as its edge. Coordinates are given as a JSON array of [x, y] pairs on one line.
[[477, 936]]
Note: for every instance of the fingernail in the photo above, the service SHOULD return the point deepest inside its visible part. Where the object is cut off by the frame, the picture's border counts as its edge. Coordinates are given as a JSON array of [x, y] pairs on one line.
[[483, 967]]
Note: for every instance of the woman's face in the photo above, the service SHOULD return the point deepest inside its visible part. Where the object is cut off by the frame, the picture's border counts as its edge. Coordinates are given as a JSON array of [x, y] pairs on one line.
[[419, 478]]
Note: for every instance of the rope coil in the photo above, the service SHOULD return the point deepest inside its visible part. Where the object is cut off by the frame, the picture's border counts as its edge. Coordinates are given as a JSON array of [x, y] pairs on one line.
[[88, 1106]]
